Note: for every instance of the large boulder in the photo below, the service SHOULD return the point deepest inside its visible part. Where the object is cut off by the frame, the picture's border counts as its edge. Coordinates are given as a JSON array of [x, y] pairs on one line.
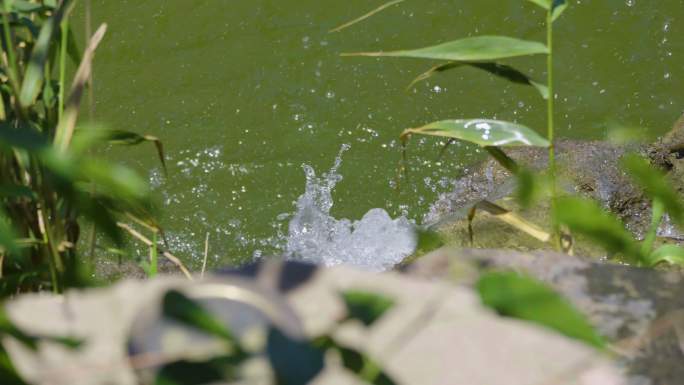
[[640, 311], [436, 333]]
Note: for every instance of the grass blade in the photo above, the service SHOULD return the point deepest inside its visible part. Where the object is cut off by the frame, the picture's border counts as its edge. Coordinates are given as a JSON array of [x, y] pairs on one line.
[[65, 128], [480, 48], [366, 16], [501, 70]]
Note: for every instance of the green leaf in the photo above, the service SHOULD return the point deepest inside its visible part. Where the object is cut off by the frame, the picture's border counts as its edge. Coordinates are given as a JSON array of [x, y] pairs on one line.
[[33, 78], [501, 70], [587, 218], [481, 48], [483, 132], [84, 137], [655, 185], [178, 307], [365, 306], [23, 6], [213, 371], [671, 254], [358, 363], [7, 234], [513, 295], [558, 6]]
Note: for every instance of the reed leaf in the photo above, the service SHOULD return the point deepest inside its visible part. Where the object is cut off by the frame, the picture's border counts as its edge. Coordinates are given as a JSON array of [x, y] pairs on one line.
[[484, 132], [670, 254], [367, 15], [501, 70], [480, 48]]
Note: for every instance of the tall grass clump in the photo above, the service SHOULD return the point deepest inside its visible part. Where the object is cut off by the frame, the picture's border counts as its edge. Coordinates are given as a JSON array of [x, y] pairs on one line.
[[50, 185]]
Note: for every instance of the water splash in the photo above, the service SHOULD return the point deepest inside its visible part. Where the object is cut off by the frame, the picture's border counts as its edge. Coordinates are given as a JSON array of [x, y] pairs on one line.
[[376, 242]]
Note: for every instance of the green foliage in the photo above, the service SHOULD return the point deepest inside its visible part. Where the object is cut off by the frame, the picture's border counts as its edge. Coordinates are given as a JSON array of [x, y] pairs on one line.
[[365, 306], [588, 218], [513, 295], [655, 185], [51, 186], [178, 307]]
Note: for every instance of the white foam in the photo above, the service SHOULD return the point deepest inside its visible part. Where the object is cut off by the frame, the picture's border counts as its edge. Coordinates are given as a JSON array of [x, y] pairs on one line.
[[376, 242]]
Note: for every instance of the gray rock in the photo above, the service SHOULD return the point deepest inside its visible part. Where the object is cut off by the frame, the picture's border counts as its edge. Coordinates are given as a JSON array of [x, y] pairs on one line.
[[437, 332], [640, 311]]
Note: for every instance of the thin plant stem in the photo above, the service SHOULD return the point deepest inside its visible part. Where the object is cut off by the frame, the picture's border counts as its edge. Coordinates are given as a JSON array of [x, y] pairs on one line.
[[62, 67], [154, 261], [13, 73], [658, 211], [550, 135], [206, 255]]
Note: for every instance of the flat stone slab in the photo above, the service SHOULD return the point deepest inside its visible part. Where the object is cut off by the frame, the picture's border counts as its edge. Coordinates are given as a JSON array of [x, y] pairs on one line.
[[641, 311], [437, 332]]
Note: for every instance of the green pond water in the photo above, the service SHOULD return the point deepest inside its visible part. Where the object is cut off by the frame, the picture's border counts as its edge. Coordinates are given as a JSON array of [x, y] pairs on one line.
[[243, 93]]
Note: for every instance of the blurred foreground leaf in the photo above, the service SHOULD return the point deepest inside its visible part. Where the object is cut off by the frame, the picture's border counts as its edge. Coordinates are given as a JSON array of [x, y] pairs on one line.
[[365, 306], [178, 307], [358, 363], [513, 295], [588, 218], [671, 254], [479, 48], [655, 185]]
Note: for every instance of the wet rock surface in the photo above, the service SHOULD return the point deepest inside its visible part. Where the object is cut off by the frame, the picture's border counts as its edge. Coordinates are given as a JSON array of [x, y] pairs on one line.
[[587, 168], [640, 311]]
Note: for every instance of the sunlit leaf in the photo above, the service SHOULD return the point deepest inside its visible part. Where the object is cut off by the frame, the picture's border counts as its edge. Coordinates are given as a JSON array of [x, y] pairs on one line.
[[483, 132], [367, 15], [517, 296], [365, 306], [671, 254], [501, 70], [655, 184], [180, 308], [588, 218], [481, 48]]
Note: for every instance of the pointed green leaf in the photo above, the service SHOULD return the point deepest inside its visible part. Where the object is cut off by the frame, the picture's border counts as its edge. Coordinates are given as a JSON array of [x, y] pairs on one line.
[[33, 79], [558, 6], [483, 132], [365, 306], [364, 367], [480, 48], [501, 70], [514, 295], [180, 308], [546, 4], [655, 185], [671, 254], [588, 218]]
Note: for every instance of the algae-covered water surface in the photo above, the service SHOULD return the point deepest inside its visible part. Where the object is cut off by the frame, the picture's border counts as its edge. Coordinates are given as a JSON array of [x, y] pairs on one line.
[[243, 93]]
